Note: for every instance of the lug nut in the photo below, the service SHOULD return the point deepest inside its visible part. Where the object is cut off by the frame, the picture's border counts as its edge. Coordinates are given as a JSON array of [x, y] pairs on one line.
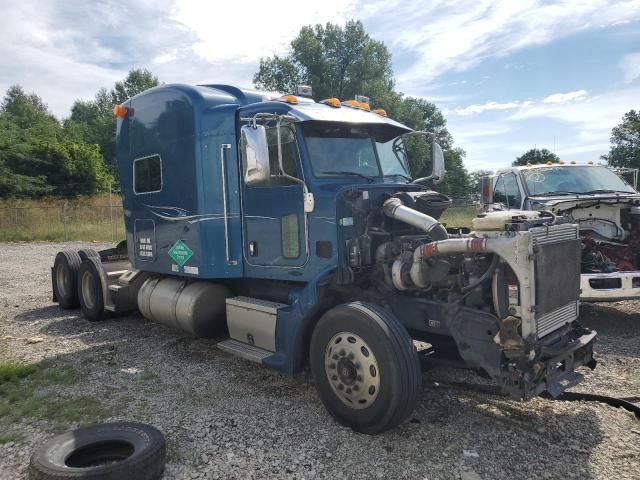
[[359, 378], [350, 356], [356, 387], [334, 377], [348, 390], [334, 356], [340, 386], [332, 366], [342, 353]]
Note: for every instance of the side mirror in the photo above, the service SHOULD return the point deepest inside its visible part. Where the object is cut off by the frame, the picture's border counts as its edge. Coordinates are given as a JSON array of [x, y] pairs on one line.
[[486, 190], [255, 150], [438, 170]]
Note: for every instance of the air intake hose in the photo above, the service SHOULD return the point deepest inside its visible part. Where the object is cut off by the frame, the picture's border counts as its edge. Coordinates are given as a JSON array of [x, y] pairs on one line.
[[394, 208]]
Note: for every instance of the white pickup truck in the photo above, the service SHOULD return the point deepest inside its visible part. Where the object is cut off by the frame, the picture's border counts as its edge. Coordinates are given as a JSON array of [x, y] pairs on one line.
[[606, 208]]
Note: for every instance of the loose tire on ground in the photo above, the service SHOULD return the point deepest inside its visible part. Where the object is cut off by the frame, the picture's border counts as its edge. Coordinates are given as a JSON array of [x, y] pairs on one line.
[[65, 278], [110, 451], [365, 366], [90, 291]]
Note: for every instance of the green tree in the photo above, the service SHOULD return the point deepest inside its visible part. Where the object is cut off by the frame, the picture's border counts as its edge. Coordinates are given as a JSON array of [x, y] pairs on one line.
[[37, 159], [625, 142], [475, 179], [535, 156], [26, 110], [138, 80], [337, 62], [423, 115], [93, 121], [342, 62]]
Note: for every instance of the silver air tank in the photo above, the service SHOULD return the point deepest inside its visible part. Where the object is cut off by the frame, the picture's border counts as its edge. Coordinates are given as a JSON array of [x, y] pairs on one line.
[[195, 307]]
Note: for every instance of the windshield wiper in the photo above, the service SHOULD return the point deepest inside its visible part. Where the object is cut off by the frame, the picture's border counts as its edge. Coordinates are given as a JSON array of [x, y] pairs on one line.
[[408, 178], [605, 190], [340, 172], [558, 192]]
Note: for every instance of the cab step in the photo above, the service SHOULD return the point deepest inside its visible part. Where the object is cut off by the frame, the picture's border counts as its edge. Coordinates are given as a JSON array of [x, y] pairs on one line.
[[244, 350]]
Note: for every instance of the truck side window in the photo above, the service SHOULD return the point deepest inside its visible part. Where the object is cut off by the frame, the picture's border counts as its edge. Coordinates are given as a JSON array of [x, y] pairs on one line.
[[507, 191], [147, 174], [289, 154]]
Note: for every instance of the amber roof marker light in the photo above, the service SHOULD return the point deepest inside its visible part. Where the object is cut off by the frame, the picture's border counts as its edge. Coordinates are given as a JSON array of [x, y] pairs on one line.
[[289, 99], [120, 111], [332, 102]]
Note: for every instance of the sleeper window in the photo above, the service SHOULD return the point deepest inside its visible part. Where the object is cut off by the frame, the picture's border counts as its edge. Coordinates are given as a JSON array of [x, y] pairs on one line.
[[147, 174]]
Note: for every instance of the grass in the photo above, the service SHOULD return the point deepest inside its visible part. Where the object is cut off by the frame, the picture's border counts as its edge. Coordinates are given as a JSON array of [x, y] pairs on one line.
[[26, 390], [93, 219], [13, 371], [459, 216], [97, 218]]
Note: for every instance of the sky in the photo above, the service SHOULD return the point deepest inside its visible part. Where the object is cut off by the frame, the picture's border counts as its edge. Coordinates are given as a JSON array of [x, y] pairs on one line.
[[508, 75]]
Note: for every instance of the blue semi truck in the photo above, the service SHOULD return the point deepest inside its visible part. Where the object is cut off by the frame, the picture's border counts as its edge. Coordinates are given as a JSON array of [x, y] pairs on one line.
[[292, 231]]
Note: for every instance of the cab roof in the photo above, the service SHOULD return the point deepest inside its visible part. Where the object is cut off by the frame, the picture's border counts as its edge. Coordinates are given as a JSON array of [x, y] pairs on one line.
[[304, 110]]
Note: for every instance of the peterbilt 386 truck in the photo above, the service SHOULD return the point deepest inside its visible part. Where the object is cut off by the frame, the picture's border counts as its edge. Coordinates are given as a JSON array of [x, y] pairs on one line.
[[292, 231], [604, 206]]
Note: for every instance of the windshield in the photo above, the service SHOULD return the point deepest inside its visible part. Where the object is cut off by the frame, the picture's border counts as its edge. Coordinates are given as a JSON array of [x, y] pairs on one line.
[[580, 179], [393, 158], [336, 150]]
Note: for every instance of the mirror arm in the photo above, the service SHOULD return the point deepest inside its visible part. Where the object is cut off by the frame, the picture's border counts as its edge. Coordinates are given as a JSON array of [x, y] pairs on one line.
[[281, 165], [267, 117]]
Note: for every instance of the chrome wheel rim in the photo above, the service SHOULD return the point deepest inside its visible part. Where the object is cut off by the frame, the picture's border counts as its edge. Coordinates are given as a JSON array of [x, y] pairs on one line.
[[352, 370], [89, 293], [63, 279]]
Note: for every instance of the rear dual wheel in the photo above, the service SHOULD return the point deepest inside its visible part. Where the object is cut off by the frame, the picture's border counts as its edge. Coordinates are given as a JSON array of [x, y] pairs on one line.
[[90, 291], [65, 278], [365, 366]]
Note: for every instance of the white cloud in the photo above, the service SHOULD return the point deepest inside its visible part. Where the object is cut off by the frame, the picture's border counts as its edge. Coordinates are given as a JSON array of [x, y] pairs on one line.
[[67, 50], [447, 36], [577, 130], [630, 65], [265, 28], [565, 97], [484, 107], [520, 105], [598, 112]]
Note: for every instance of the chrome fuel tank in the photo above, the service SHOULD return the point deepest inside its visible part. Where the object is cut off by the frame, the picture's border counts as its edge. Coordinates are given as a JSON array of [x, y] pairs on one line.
[[195, 307]]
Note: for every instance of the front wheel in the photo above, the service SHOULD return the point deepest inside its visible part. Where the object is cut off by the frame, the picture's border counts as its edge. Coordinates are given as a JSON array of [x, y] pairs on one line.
[[365, 366]]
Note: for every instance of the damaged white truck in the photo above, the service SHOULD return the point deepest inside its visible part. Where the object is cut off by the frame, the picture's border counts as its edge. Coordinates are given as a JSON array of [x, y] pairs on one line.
[[604, 206]]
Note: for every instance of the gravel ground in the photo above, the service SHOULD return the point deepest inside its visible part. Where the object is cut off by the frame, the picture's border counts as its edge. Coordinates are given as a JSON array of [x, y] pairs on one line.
[[227, 418]]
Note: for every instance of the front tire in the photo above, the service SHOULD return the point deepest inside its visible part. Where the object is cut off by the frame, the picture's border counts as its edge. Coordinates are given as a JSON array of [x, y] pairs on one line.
[[365, 366]]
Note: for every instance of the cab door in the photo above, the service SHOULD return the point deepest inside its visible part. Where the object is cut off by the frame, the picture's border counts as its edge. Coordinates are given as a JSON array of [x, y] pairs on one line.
[[507, 192], [274, 222]]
